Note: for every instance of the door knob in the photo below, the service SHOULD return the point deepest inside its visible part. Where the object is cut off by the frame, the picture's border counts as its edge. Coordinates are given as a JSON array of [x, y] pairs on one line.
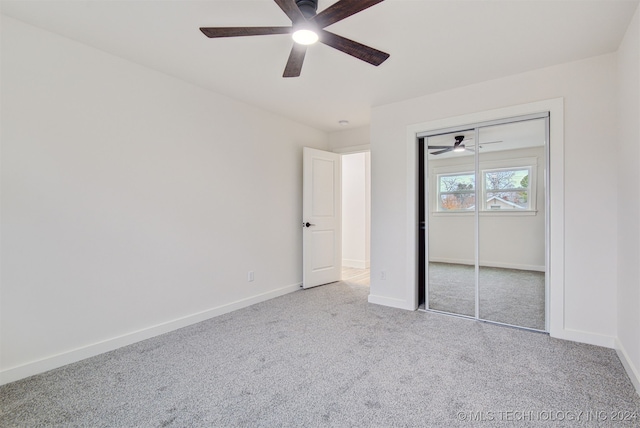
[[307, 224]]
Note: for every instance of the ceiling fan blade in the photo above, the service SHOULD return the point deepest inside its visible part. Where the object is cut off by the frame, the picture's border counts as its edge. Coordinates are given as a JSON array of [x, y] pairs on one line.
[[341, 10], [438, 147], [214, 32], [291, 9], [296, 58], [482, 144], [355, 49], [439, 152]]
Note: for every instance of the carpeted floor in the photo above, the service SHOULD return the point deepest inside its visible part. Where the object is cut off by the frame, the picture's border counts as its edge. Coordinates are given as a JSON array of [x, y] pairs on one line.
[[509, 296], [326, 357]]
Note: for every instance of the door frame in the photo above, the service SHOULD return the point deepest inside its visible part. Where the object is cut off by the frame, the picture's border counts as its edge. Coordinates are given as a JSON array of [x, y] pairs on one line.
[[346, 151], [555, 188]]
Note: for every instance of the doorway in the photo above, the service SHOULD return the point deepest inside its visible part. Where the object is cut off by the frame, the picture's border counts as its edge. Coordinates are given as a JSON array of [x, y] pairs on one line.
[[483, 215], [356, 217]]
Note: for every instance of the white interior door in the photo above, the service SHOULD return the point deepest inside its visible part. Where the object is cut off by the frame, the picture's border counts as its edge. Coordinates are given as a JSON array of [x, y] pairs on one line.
[[321, 218]]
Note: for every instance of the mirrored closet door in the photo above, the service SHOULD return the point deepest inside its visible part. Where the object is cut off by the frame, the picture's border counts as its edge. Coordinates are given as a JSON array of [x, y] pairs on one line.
[[451, 238], [485, 218]]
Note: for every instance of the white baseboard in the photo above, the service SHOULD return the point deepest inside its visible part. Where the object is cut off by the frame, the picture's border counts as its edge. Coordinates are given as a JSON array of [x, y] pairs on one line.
[[486, 263], [358, 264], [584, 337], [632, 370], [49, 363], [389, 301]]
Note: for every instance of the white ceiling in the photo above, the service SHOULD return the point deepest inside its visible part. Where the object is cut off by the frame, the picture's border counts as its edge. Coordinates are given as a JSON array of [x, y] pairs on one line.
[[434, 45]]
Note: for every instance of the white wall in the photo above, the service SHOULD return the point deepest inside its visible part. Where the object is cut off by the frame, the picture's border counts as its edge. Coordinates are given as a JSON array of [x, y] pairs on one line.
[[133, 203], [350, 140], [367, 207], [355, 213], [628, 344], [355, 141], [588, 312]]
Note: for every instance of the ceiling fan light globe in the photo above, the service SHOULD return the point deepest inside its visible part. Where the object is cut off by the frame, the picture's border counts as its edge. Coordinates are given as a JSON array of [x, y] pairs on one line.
[[305, 36], [460, 148]]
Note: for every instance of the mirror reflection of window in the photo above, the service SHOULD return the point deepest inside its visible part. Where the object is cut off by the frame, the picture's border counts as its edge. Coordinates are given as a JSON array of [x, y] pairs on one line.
[[485, 211]]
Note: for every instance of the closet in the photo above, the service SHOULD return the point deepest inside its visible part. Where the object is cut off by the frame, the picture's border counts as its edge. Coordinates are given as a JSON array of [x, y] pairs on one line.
[[484, 221]]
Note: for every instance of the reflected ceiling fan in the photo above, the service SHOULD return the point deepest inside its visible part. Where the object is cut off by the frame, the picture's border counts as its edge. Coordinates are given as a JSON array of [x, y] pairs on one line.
[[458, 146], [307, 28]]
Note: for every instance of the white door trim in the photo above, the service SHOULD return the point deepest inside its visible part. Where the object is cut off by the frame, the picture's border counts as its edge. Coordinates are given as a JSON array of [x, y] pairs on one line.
[[556, 200]]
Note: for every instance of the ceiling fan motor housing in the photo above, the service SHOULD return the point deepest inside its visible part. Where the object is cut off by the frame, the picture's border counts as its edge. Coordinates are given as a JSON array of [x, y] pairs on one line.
[[308, 7]]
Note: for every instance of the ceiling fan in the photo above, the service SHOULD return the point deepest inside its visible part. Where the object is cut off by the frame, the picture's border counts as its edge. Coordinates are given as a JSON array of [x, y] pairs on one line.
[[458, 146], [307, 28]]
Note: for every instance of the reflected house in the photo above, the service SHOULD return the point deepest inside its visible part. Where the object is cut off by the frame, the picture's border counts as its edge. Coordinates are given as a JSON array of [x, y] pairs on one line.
[[497, 203]]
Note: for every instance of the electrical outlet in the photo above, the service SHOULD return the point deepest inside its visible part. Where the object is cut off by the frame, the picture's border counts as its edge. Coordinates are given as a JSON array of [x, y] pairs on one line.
[[250, 276], [383, 275]]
